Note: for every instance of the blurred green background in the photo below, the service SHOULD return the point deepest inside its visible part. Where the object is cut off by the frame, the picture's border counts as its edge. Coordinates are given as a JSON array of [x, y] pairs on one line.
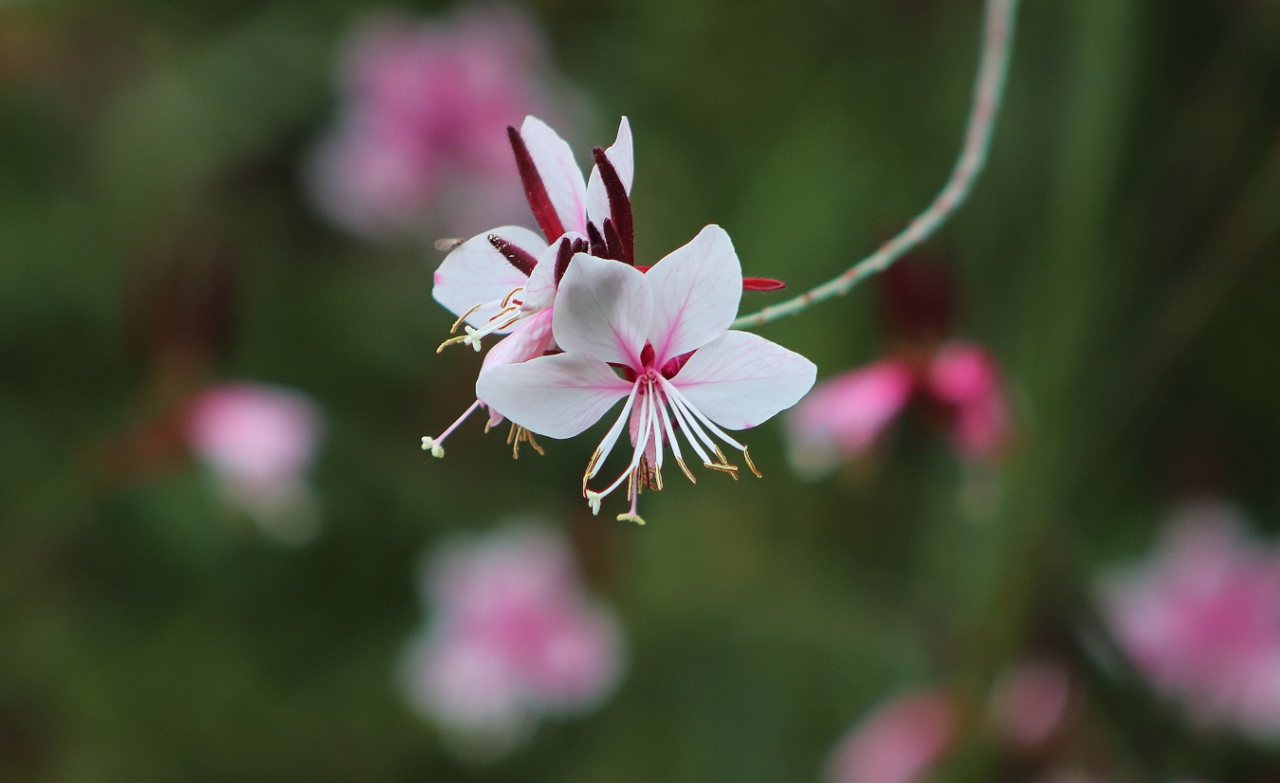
[[1117, 256]]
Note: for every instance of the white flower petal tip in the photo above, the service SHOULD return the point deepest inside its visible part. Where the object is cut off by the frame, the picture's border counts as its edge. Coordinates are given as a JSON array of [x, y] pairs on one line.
[[432, 445], [631, 518]]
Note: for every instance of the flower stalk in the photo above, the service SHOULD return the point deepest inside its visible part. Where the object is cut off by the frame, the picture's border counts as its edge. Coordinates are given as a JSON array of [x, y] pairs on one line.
[[988, 90]]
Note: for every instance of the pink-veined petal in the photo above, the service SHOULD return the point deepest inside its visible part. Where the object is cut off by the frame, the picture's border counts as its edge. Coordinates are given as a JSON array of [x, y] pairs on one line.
[[540, 293], [560, 174], [696, 290], [530, 338], [621, 156], [741, 380], [475, 273], [604, 309], [557, 396]]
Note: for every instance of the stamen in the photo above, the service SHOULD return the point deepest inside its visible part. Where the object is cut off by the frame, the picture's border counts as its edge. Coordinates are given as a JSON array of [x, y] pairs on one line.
[[685, 468], [690, 425], [447, 244], [686, 413], [466, 338], [732, 470], [682, 400], [642, 442], [611, 437], [454, 329], [436, 445], [534, 188], [518, 435], [507, 316], [654, 425], [506, 300], [723, 459], [675, 444], [688, 429]]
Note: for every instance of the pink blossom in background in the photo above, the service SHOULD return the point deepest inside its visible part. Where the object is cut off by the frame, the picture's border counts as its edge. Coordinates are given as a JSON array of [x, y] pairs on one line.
[[513, 636], [421, 138], [897, 743], [1201, 619], [259, 441], [967, 378], [1029, 703], [844, 417]]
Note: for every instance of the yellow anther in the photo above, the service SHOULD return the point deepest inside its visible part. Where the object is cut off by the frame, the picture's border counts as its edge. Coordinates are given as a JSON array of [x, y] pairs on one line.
[[454, 329], [687, 473]]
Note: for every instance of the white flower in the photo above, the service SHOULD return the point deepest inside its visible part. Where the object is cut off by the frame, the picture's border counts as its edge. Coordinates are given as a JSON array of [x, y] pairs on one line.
[[504, 281], [682, 368]]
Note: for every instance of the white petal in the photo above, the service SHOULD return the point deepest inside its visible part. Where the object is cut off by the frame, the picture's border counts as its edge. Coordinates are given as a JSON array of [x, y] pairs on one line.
[[540, 293], [557, 396], [603, 309], [620, 155], [740, 380], [475, 273], [560, 174], [696, 290], [530, 338]]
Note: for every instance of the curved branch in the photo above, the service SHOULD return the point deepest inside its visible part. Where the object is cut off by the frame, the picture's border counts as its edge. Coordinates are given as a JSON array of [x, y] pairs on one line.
[[1001, 16]]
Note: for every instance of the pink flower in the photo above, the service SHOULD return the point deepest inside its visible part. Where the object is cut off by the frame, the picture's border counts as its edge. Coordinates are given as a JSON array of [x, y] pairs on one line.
[[259, 442], [1201, 619], [424, 108], [1029, 702], [668, 331], [513, 637], [846, 415], [898, 743]]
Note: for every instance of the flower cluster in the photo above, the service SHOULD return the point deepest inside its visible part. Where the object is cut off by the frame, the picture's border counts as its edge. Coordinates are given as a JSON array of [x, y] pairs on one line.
[[904, 739], [1201, 619], [423, 108], [585, 326], [512, 636], [956, 382]]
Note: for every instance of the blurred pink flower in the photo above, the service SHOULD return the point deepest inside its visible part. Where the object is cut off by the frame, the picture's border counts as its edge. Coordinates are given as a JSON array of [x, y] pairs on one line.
[[259, 442], [1201, 619], [897, 743], [845, 416], [1029, 702], [513, 636], [967, 377], [425, 107]]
